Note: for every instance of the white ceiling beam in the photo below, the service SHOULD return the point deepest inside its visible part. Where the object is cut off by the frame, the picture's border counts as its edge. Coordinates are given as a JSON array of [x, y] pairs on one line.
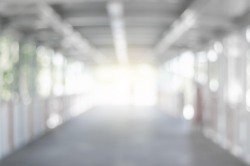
[[185, 22], [115, 10], [22, 2], [88, 21], [61, 1], [71, 38]]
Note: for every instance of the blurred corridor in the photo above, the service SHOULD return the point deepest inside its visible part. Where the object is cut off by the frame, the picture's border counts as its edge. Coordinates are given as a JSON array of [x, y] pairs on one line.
[[124, 82]]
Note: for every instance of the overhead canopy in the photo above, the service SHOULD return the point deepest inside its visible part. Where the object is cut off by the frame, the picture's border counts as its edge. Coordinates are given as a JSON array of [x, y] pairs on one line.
[[151, 29]]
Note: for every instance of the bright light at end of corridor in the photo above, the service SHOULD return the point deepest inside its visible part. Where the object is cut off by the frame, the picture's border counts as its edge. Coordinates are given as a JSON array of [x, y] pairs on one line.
[[188, 112], [118, 85]]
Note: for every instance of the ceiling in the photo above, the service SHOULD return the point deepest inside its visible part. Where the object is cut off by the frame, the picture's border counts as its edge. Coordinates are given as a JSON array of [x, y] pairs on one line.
[[145, 25]]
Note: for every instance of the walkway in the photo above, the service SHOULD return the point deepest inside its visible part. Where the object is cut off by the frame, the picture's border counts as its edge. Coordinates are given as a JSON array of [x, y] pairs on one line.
[[122, 137]]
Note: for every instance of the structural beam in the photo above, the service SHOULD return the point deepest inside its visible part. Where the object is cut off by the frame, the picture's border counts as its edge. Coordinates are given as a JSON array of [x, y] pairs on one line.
[[57, 1], [72, 39], [186, 21], [115, 10]]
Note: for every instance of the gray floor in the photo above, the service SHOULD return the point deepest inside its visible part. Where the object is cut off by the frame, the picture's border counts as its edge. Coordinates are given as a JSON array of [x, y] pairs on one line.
[[122, 137]]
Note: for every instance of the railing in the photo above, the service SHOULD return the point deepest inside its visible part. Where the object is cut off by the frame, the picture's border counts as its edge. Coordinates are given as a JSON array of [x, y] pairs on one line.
[[22, 122]]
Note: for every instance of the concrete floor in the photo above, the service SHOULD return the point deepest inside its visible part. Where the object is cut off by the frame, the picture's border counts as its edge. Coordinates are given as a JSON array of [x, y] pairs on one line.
[[122, 137]]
